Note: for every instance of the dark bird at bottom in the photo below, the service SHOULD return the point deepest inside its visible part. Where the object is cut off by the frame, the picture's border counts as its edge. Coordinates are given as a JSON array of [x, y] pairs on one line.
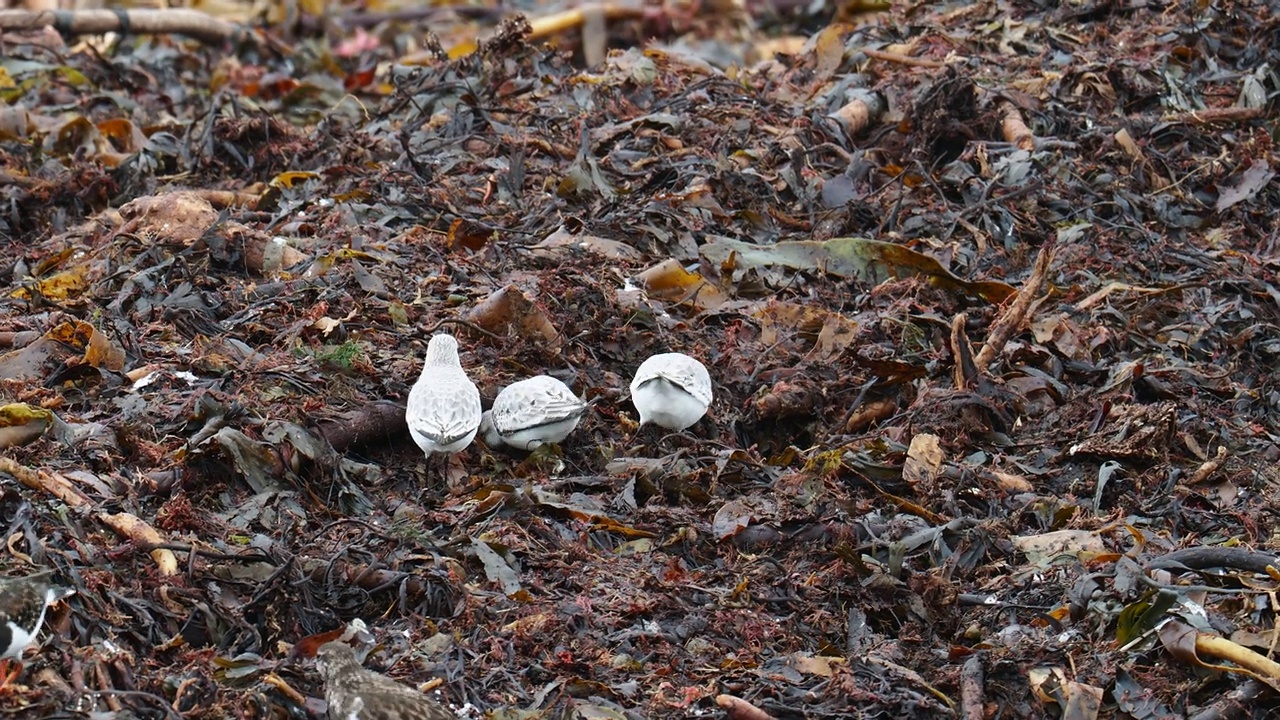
[[24, 601]]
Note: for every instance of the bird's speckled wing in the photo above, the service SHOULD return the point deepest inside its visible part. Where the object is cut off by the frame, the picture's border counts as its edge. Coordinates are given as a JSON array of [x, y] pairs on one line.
[[533, 403], [444, 406], [23, 603], [383, 704], [22, 600], [678, 369], [354, 693]]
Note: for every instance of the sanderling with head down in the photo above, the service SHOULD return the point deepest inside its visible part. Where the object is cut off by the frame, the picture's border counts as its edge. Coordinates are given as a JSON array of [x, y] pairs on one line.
[[672, 390], [532, 412]]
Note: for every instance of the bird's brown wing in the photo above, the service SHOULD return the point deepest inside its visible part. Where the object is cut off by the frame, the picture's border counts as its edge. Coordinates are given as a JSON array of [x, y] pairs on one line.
[[22, 599], [366, 695], [375, 706]]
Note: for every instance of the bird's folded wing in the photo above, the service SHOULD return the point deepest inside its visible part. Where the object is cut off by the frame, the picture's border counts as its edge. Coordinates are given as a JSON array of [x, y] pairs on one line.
[[445, 414], [397, 702], [535, 410], [690, 381]]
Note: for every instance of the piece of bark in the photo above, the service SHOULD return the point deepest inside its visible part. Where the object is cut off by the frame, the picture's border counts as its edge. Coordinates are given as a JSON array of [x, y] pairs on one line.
[[859, 113], [1208, 467], [1015, 129], [964, 371], [870, 412], [1210, 116], [46, 481]]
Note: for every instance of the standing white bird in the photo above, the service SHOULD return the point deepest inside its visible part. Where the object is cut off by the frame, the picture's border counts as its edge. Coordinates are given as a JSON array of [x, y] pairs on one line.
[[672, 390], [443, 413], [531, 412]]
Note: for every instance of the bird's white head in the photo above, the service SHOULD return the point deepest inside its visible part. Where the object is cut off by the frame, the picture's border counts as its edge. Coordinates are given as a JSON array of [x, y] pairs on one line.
[[443, 350]]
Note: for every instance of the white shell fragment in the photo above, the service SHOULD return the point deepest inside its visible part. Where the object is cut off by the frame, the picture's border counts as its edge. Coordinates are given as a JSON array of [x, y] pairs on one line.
[[532, 412], [443, 413], [672, 390]]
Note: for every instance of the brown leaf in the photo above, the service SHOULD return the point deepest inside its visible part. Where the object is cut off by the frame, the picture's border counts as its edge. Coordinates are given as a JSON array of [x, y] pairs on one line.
[[731, 518]]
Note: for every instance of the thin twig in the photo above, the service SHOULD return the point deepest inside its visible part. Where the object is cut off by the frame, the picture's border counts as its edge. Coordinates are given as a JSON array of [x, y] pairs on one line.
[[466, 323], [159, 701], [146, 21], [902, 59]]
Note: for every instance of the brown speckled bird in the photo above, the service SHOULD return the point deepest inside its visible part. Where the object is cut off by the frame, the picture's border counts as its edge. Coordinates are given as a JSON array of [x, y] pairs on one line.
[[23, 604], [354, 693]]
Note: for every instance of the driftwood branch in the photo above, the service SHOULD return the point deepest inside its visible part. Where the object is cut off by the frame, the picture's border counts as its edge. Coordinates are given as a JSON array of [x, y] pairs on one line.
[[372, 424], [972, 691], [739, 709], [1016, 311], [886, 56], [1015, 127], [962, 350], [192, 23]]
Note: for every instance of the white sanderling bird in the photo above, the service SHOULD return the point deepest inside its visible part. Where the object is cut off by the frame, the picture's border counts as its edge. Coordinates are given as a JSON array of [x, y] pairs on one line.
[[531, 412], [23, 604], [672, 390], [353, 692], [443, 413]]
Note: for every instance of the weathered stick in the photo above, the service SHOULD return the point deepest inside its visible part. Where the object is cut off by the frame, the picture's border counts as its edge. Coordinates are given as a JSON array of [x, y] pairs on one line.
[[1008, 324], [886, 56], [962, 351], [738, 709], [972, 689], [1015, 128], [192, 23]]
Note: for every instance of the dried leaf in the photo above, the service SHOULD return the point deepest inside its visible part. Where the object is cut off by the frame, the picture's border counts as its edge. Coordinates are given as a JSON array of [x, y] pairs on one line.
[[496, 568], [732, 517], [1251, 182], [509, 309], [670, 281], [924, 459], [21, 423]]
